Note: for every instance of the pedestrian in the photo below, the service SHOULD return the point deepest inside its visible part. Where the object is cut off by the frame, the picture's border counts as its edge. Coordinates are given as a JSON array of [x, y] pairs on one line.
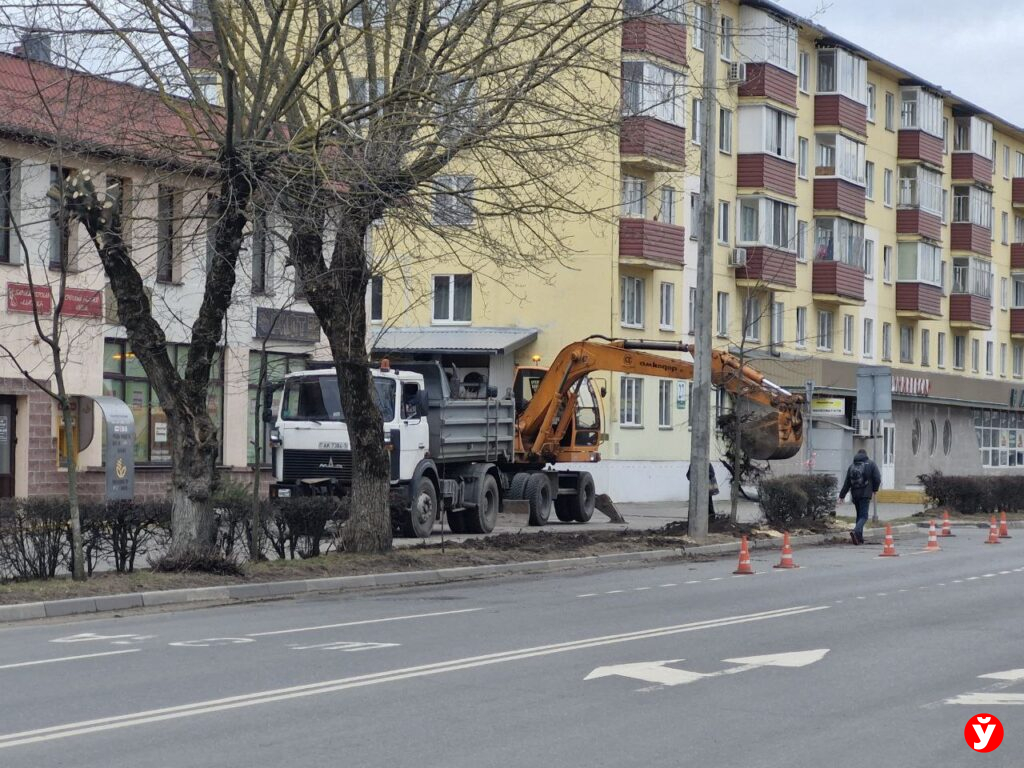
[[862, 482], [712, 490]]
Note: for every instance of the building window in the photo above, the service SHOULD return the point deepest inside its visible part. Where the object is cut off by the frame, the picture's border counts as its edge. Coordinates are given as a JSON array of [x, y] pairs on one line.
[[887, 263], [696, 119], [665, 404], [453, 298], [1002, 359], [887, 188], [1020, 165], [1006, 161], [653, 91], [926, 338], [975, 354], [632, 301], [805, 72], [921, 111], [919, 262], [167, 247], [261, 249], [959, 352], [778, 323], [767, 130], [920, 188], [869, 180], [727, 27], [848, 334], [125, 379], [841, 157], [940, 349], [668, 205], [801, 327], [840, 71], [376, 299], [871, 102], [6, 218], [1004, 290], [276, 367], [825, 330], [752, 319], [989, 354], [945, 135], [694, 215], [693, 312], [890, 112], [668, 302], [764, 221], [723, 222], [723, 314], [631, 401], [906, 344], [803, 147], [453, 202], [972, 134], [869, 332], [886, 341], [699, 25], [972, 276], [869, 259], [634, 197], [725, 131], [839, 240], [1006, 228], [1018, 360]]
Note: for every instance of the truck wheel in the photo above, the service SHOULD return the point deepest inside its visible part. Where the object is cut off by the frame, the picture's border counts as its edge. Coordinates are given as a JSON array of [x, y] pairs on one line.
[[538, 493], [456, 522], [485, 516], [419, 519], [565, 508], [585, 498], [517, 488]]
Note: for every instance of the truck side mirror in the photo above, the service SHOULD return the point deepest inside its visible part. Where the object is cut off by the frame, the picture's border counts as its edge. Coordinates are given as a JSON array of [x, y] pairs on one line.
[[422, 404]]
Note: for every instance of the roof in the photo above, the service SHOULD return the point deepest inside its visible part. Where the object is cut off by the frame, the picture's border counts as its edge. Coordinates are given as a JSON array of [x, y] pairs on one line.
[[453, 340]]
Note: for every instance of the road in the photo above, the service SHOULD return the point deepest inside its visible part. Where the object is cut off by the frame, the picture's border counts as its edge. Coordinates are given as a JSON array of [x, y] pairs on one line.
[[496, 673]]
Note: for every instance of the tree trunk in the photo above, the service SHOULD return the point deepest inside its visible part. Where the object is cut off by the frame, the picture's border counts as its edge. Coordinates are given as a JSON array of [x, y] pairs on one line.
[[77, 548], [193, 481]]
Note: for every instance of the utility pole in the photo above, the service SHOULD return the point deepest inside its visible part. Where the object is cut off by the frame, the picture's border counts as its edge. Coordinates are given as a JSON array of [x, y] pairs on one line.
[[700, 415]]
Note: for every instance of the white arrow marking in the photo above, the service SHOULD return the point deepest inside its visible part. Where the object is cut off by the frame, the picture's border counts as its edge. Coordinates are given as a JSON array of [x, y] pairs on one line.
[[349, 646], [657, 672], [792, 660], [1010, 674], [88, 637], [212, 642]]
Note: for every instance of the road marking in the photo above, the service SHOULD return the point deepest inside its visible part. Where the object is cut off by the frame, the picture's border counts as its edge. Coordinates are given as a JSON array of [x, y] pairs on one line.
[[640, 589], [68, 658], [615, 592], [1010, 674], [861, 597], [880, 594], [658, 672], [958, 581], [88, 637], [212, 642], [589, 594], [666, 586], [1004, 573], [717, 578], [366, 621], [988, 699], [696, 581], [988, 575], [973, 578], [330, 686], [350, 646], [903, 590]]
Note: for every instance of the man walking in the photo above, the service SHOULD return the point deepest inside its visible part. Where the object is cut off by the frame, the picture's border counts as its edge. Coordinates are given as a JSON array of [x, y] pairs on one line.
[[862, 482]]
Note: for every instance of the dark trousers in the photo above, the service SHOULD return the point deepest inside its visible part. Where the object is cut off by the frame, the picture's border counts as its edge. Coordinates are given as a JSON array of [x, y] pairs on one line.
[[863, 507]]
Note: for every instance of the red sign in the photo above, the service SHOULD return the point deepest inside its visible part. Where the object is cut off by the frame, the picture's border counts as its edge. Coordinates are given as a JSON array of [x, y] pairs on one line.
[[911, 385], [79, 302], [983, 733], [19, 298]]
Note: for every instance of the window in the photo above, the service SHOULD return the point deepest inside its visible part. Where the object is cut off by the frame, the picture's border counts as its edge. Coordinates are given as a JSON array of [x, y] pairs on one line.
[[925, 347], [975, 354], [972, 134], [869, 259], [906, 344], [631, 401], [60, 228], [727, 27], [869, 332], [919, 262], [945, 206], [453, 203], [1006, 228], [887, 188], [694, 216], [693, 311], [776, 42], [869, 180], [848, 334], [6, 218], [699, 24], [453, 298], [634, 197], [261, 248], [1018, 291], [805, 71], [1006, 161], [725, 131], [695, 120], [940, 349], [825, 330], [945, 135], [921, 111], [722, 307], [767, 130], [671, 10], [668, 306], [920, 188], [1003, 291], [989, 355], [839, 240], [801, 326], [125, 379], [959, 352], [119, 193], [168, 209], [752, 319], [887, 341], [378, 8], [632, 301], [871, 102], [654, 91], [376, 290], [723, 222], [837, 155], [802, 158], [457, 106], [841, 72], [801, 241], [668, 205], [1018, 229], [665, 404], [1018, 360], [275, 367], [1002, 359], [764, 221], [972, 276], [1020, 165], [890, 112], [778, 321]]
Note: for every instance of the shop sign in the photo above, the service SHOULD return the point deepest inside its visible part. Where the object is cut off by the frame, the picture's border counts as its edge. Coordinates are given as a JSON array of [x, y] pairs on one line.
[[286, 325], [911, 385], [828, 406], [19, 298], [80, 302], [681, 392]]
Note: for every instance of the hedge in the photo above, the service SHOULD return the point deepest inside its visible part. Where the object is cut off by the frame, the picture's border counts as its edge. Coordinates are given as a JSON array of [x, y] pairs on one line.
[[973, 494], [792, 499]]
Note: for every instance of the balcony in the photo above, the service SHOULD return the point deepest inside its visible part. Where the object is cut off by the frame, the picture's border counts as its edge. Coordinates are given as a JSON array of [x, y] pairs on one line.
[[1017, 322], [915, 221], [835, 282], [971, 168], [767, 173], [836, 111], [920, 146], [972, 238], [1018, 192], [657, 37], [967, 310], [652, 145], [768, 268], [838, 195], [1017, 256], [918, 301], [766, 81], [652, 243]]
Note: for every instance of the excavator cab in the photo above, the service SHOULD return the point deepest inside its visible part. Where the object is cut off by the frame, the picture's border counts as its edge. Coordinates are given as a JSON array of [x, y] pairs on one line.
[[582, 437]]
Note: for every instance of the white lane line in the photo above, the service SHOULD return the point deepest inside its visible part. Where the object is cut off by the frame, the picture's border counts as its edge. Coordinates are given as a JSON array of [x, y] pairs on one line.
[[903, 590], [68, 658], [881, 594], [330, 686], [360, 623], [1004, 573], [717, 578], [640, 589], [942, 584], [973, 578], [695, 581], [987, 575], [988, 699], [615, 592], [589, 594], [666, 586], [861, 597], [1012, 675], [958, 581]]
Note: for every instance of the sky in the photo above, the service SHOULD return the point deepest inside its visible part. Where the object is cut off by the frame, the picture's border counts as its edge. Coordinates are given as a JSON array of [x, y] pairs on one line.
[[969, 48]]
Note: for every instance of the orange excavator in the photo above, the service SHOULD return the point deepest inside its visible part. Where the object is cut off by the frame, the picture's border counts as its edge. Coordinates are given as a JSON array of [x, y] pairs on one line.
[[558, 414]]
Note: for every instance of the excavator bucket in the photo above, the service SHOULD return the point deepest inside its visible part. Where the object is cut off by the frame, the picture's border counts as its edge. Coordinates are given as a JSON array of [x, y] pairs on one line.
[[766, 434]]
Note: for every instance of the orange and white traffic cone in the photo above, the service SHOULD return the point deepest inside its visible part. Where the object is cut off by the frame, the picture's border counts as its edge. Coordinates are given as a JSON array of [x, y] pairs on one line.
[[1004, 529], [946, 529], [993, 534], [933, 541], [889, 550], [744, 568], [787, 554]]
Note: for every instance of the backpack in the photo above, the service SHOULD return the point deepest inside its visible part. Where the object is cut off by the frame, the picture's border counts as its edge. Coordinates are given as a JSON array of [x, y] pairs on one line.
[[859, 475]]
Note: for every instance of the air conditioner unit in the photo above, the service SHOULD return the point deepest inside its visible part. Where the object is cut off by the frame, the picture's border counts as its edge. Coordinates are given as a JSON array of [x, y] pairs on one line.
[[737, 72], [738, 257], [862, 427]]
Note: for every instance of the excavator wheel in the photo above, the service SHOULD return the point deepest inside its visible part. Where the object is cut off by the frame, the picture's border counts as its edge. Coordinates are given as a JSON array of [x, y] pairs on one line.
[[517, 488], [565, 508], [538, 494], [585, 499]]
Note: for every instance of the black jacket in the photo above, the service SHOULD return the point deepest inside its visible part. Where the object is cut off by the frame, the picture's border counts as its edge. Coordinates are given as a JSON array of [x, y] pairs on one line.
[[874, 478]]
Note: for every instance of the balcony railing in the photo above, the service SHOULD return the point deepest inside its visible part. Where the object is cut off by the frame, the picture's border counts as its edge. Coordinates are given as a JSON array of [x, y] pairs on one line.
[[972, 281]]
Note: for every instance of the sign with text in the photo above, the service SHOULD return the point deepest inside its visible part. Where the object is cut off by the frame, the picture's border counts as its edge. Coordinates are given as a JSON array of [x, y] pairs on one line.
[[828, 406], [119, 454], [911, 385], [19, 298], [286, 325], [81, 302]]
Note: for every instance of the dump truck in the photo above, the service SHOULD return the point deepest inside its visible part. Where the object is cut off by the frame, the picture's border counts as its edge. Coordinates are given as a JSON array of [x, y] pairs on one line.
[[464, 456]]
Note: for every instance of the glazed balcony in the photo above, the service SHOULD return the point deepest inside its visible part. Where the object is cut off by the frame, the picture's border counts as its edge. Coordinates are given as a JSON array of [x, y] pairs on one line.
[[837, 282], [918, 301], [766, 81], [653, 243], [1017, 322], [970, 311], [1017, 256], [971, 168], [833, 110], [768, 173], [915, 221], [767, 267], [657, 37], [834, 194], [920, 146], [652, 145], [1018, 192], [972, 238]]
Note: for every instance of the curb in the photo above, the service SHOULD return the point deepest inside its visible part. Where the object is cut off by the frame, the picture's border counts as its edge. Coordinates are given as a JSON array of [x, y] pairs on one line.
[[274, 589]]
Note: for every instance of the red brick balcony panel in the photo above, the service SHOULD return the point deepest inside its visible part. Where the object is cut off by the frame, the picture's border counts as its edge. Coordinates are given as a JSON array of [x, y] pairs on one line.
[[968, 166], [914, 221], [919, 297], [968, 308], [658, 37], [834, 278], [836, 110], [971, 237], [766, 172], [768, 81], [1017, 321], [769, 265], [839, 195], [1017, 256], [652, 241], [650, 138], [918, 145], [1018, 191]]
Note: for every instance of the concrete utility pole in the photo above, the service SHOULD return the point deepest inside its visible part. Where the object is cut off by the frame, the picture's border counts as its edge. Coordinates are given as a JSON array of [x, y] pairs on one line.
[[700, 418]]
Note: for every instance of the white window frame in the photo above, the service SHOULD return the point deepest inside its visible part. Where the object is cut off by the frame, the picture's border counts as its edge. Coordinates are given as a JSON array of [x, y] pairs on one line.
[[455, 281], [921, 188], [906, 344], [839, 156], [724, 222], [972, 205], [725, 131], [801, 327], [804, 76], [869, 180], [1002, 359], [959, 352], [890, 111], [940, 349], [990, 355], [849, 74], [801, 241], [872, 92], [848, 334], [727, 29], [667, 306], [634, 197], [454, 205], [667, 210], [696, 107], [919, 262], [631, 401], [869, 259], [631, 301], [887, 187], [926, 342], [752, 318], [650, 90], [722, 315], [867, 343], [766, 221], [700, 15], [921, 110], [665, 403], [826, 330], [803, 152], [887, 254], [1018, 361], [887, 342], [692, 312], [778, 323]]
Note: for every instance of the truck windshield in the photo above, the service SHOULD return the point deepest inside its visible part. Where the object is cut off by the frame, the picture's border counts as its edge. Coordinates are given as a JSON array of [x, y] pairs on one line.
[[317, 399]]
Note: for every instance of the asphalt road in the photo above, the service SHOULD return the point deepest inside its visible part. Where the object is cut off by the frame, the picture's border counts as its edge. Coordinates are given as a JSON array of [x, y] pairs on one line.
[[496, 673]]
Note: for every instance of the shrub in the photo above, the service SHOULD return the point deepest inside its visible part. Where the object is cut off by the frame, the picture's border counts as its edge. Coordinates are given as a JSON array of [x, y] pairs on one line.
[[299, 525], [34, 537], [972, 494], [821, 494], [782, 501]]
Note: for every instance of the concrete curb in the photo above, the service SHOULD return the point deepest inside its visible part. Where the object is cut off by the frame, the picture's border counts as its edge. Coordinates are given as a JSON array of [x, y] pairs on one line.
[[273, 589]]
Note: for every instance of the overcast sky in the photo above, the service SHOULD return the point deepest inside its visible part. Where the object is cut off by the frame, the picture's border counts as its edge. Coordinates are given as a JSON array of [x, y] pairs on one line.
[[969, 48]]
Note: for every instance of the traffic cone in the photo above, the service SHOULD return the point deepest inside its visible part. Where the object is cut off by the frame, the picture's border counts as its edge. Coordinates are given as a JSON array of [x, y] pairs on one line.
[[889, 550], [946, 529], [993, 534], [787, 554], [1004, 529], [744, 568], [933, 542]]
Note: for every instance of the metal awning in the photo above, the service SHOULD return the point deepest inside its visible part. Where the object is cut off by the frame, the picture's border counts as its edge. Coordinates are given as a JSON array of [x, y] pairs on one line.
[[452, 340]]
